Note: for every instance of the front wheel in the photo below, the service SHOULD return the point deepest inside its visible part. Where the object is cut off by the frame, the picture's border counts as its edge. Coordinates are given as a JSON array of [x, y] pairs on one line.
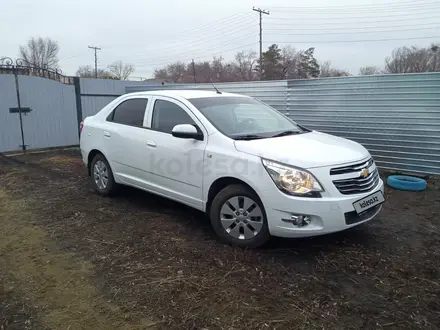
[[238, 217], [102, 176]]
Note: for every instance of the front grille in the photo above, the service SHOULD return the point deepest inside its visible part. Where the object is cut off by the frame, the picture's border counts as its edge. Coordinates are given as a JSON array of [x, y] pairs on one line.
[[357, 184], [351, 168]]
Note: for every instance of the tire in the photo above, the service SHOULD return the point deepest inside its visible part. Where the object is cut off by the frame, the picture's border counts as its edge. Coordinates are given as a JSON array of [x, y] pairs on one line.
[[110, 185], [248, 229], [404, 182]]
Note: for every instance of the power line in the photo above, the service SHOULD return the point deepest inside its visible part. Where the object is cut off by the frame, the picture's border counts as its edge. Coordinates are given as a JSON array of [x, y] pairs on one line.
[[305, 22], [211, 24], [350, 13], [203, 40], [200, 48], [347, 28], [196, 43], [299, 11], [205, 33], [341, 18], [355, 32], [351, 41], [96, 59], [345, 7]]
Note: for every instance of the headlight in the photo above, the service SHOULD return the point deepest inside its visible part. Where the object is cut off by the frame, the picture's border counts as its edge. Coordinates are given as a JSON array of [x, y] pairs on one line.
[[292, 180]]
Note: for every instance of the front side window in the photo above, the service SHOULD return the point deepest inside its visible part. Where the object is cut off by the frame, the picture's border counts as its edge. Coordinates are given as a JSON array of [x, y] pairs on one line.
[[166, 115], [245, 117], [130, 112]]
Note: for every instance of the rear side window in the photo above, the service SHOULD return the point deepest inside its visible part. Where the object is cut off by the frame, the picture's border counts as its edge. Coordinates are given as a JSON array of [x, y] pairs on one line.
[[166, 115], [130, 112]]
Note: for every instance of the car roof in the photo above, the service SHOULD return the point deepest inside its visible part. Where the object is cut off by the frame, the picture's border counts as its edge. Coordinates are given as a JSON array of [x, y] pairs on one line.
[[186, 94]]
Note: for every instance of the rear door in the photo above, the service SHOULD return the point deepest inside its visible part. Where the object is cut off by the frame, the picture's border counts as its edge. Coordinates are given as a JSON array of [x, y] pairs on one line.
[[125, 137], [176, 164]]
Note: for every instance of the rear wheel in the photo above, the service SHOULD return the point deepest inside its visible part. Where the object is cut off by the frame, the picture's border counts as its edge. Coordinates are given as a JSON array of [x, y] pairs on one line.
[[102, 176], [238, 217]]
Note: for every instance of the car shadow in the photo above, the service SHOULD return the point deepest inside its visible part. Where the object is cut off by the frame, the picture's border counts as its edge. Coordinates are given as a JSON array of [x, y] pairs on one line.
[[194, 220]]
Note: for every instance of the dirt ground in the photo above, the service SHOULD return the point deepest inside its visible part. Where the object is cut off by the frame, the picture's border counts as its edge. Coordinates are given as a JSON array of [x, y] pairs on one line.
[[70, 259]]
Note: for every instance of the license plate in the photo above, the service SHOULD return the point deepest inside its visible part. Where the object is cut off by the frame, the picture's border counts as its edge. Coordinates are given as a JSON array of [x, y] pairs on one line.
[[368, 202]]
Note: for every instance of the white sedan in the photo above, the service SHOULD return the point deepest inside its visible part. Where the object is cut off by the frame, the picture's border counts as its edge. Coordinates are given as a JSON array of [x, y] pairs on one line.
[[254, 171]]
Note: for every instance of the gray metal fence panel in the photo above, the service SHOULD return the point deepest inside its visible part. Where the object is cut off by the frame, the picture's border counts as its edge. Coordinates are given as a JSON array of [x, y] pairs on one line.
[[273, 93], [10, 137], [97, 93], [52, 121], [396, 117], [92, 104]]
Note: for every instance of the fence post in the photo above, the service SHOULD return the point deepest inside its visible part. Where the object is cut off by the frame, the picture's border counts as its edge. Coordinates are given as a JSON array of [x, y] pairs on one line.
[[17, 88], [79, 115]]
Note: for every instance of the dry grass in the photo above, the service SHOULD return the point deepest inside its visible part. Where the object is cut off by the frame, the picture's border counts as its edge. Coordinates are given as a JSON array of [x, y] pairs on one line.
[[58, 160], [154, 257], [57, 286]]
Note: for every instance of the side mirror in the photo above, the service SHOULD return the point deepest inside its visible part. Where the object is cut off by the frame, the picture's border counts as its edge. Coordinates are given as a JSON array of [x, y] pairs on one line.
[[187, 131]]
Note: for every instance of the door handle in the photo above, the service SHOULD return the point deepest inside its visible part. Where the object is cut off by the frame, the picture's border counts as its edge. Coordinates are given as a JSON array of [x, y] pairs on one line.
[[151, 144], [106, 134]]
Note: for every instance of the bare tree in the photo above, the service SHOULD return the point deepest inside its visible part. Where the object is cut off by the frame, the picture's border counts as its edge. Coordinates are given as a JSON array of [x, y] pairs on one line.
[[177, 71], [369, 70], [41, 53], [203, 72], [245, 63], [86, 71], [220, 70], [413, 59], [278, 64], [290, 60], [120, 70], [326, 70], [161, 74]]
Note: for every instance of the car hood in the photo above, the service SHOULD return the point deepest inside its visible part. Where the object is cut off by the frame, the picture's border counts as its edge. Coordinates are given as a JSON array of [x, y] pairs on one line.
[[308, 150]]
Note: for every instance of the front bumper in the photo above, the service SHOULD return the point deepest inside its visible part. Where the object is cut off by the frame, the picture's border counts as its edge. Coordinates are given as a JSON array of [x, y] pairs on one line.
[[328, 214]]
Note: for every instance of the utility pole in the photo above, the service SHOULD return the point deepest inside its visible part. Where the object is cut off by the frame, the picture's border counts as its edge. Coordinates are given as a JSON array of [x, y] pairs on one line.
[[96, 59], [261, 12], [194, 71]]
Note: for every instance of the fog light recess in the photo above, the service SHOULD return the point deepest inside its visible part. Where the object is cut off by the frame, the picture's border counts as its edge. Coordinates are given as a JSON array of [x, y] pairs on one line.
[[299, 220]]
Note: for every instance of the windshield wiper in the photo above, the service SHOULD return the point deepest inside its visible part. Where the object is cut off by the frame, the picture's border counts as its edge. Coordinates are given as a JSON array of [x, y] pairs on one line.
[[248, 137], [285, 133]]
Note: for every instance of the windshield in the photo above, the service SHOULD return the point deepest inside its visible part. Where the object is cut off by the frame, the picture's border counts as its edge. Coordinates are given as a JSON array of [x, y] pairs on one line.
[[244, 117]]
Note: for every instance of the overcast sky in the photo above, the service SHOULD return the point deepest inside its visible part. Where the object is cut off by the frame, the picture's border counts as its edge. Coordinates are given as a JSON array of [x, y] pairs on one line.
[[151, 34]]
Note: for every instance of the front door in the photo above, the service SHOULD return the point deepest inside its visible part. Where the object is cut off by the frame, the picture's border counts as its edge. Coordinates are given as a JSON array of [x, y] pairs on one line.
[[176, 164]]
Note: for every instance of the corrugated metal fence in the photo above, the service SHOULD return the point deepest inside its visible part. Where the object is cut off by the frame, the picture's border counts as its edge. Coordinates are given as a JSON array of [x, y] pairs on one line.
[[397, 117]]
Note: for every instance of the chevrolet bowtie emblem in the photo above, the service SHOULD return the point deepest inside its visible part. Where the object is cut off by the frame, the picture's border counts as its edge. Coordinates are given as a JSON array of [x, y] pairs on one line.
[[365, 172]]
